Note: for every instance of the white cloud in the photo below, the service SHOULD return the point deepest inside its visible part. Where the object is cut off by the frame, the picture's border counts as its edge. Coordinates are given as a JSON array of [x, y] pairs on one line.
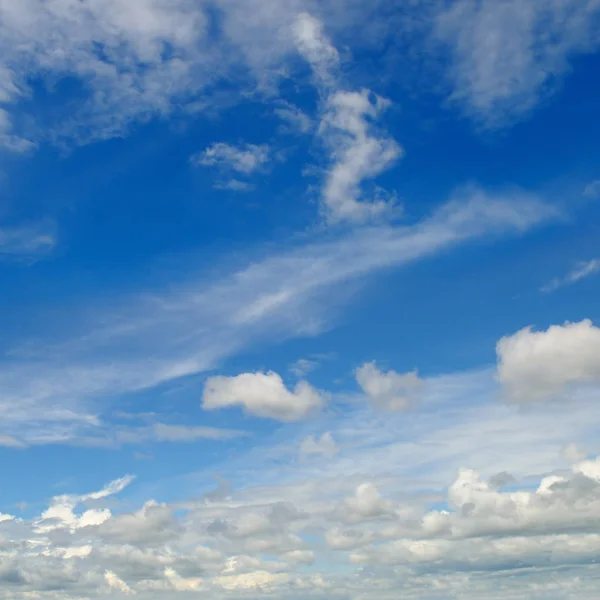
[[540, 365], [8, 441], [319, 446], [52, 392], [8, 141], [263, 395], [245, 159], [297, 120], [365, 504], [303, 366], [114, 583], [316, 48], [28, 242], [234, 185], [369, 506], [581, 271], [507, 56], [184, 433], [391, 390], [357, 152], [346, 128]]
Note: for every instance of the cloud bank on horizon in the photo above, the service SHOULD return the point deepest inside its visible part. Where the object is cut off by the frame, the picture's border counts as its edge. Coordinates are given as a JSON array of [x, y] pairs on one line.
[[306, 291]]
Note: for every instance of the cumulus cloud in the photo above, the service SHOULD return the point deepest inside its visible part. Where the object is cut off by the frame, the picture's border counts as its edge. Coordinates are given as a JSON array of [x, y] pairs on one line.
[[391, 390], [540, 365], [581, 271], [263, 395], [507, 56]]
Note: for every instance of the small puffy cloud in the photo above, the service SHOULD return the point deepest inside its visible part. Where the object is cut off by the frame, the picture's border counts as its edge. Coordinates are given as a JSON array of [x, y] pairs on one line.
[[262, 395], [581, 271], [539, 365], [244, 159], [322, 446], [389, 391]]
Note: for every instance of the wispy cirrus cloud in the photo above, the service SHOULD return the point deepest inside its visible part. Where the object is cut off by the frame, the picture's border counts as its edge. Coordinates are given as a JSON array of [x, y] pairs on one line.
[[28, 242], [581, 271], [62, 382], [508, 56]]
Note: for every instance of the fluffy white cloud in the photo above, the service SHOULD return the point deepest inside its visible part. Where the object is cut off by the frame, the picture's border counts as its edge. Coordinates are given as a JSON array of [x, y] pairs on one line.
[[505, 55], [539, 365], [244, 159], [263, 395], [391, 390]]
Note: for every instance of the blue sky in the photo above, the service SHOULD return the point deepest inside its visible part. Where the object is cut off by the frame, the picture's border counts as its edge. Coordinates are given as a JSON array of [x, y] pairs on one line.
[[299, 298]]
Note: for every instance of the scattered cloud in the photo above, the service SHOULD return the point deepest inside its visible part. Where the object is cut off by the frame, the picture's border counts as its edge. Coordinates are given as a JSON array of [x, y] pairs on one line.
[[391, 390], [539, 365], [27, 242], [295, 119], [234, 185], [262, 395], [508, 56], [245, 159], [581, 271], [53, 396], [357, 152]]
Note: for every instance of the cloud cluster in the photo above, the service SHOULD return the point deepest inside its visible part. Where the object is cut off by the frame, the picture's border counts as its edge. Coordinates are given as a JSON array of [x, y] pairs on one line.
[[250, 542]]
